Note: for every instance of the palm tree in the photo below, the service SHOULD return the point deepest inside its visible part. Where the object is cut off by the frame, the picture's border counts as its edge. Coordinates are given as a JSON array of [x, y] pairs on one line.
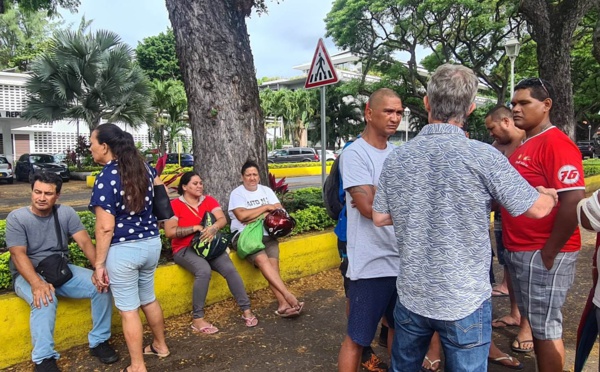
[[170, 105], [90, 77]]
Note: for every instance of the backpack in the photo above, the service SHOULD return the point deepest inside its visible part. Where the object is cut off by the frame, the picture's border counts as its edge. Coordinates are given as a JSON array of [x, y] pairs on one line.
[[331, 190]]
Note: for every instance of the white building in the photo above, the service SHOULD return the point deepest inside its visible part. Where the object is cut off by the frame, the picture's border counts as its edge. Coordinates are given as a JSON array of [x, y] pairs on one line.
[[19, 136]]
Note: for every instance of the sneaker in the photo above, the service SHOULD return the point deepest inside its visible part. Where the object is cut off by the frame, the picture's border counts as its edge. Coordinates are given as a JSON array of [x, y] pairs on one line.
[[373, 363], [105, 353], [47, 365]]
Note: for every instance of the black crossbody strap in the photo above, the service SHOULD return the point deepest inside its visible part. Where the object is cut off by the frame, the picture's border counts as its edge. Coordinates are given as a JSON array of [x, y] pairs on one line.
[[57, 227]]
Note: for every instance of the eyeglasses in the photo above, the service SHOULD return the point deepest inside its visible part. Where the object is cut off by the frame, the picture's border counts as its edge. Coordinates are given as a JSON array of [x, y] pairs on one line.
[[533, 82]]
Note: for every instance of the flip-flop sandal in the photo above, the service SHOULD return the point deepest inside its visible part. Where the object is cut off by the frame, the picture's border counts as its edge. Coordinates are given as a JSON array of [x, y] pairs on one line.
[[155, 352], [209, 329], [290, 312], [502, 321], [251, 321], [431, 364], [499, 293], [518, 348], [126, 369], [506, 357]]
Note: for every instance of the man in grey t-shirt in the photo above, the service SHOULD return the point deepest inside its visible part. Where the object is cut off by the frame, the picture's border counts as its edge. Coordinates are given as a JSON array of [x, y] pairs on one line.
[[30, 238], [372, 257]]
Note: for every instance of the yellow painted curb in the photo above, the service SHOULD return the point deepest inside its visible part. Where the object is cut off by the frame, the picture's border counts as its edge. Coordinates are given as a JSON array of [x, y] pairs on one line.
[[300, 256], [298, 172]]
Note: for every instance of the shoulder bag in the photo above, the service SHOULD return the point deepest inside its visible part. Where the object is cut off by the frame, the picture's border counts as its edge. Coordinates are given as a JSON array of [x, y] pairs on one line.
[[55, 268]]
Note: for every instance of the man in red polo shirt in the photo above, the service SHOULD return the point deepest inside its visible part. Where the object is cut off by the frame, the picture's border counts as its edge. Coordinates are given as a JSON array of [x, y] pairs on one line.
[[542, 253]]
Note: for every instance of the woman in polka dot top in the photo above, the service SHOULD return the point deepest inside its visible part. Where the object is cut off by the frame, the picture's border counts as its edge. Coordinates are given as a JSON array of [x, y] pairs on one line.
[[127, 239]]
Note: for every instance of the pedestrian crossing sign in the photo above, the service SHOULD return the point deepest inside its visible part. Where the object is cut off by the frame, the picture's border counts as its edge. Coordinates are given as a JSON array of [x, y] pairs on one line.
[[321, 70]]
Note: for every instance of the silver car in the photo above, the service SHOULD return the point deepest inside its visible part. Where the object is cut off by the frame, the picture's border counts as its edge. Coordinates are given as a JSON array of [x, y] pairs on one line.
[[6, 172]]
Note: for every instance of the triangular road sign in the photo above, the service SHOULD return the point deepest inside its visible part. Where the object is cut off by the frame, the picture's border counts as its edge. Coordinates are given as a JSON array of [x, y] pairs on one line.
[[321, 70]]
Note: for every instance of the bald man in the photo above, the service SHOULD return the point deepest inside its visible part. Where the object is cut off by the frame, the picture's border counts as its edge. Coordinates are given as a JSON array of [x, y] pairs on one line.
[[372, 257]]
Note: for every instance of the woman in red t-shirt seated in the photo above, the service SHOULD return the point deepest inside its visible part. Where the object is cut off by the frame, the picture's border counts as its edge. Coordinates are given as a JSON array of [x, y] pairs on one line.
[[189, 209]]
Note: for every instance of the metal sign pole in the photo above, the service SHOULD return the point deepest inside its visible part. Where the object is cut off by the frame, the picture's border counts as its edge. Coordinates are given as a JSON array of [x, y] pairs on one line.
[[323, 138]]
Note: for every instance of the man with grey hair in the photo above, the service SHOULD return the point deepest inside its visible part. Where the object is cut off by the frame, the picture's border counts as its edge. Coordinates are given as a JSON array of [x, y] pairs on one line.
[[437, 191]]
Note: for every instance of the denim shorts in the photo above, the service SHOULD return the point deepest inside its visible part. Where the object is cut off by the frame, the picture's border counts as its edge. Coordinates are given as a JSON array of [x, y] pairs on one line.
[[370, 299], [131, 267]]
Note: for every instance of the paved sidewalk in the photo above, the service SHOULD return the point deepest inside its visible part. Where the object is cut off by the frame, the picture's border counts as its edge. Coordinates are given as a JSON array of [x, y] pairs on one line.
[[308, 343]]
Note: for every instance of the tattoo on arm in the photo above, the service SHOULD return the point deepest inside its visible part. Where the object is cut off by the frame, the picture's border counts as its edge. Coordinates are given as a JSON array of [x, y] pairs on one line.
[[184, 231], [363, 189]]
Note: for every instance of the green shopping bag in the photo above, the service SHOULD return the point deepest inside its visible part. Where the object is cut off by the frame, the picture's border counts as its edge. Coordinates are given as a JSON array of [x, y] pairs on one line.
[[250, 240]]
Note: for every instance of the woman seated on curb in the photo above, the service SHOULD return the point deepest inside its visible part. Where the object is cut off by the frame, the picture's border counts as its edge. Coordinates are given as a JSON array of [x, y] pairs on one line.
[[248, 202], [189, 210]]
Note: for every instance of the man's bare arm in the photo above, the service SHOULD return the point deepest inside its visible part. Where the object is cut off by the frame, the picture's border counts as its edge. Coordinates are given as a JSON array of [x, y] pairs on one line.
[[382, 219], [41, 290], [362, 199]]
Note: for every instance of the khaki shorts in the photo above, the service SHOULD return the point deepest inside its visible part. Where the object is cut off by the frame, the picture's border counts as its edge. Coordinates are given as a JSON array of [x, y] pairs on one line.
[[271, 248]]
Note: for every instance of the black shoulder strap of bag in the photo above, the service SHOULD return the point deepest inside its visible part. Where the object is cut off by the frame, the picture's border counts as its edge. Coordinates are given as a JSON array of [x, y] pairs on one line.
[[57, 226]]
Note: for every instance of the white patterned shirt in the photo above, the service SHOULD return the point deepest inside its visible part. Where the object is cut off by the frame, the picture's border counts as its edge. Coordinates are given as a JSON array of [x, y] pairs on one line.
[[438, 189]]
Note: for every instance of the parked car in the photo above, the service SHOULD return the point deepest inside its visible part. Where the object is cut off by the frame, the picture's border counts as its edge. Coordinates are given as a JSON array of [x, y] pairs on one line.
[[330, 155], [187, 160], [294, 154], [6, 172], [587, 149], [28, 164]]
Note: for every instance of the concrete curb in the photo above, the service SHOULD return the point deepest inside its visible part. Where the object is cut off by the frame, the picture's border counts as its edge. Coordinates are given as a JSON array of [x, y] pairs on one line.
[[299, 256]]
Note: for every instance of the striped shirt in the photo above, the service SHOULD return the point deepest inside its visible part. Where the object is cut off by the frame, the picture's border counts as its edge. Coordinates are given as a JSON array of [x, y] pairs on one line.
[[438, 189]]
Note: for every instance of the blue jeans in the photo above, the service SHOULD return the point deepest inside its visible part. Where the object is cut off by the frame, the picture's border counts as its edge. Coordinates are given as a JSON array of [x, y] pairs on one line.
[[466, 342], [41, 321]]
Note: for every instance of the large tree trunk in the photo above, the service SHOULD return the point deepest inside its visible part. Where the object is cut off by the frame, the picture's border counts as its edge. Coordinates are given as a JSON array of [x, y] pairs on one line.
[[218, 70], [552, 26]]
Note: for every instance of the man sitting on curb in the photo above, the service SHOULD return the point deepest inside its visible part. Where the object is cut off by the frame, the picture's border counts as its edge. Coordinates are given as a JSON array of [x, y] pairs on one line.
[[31, 237]]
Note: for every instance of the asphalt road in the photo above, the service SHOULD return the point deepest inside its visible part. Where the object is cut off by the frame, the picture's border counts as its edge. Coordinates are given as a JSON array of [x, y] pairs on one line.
[[76, 194]]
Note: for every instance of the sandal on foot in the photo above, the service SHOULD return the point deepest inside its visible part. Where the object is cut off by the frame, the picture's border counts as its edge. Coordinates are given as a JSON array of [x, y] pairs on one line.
[[499, 293], [518, 348], [506, 358], [503, 323], [290, 312], [209, 329], [432, 363], [153, 351], [126, 369], [251, 321]]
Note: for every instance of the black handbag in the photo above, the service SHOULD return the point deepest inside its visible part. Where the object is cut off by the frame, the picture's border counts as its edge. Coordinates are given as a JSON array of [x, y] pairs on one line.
[[55, 268], [161, 204], [212, 249]]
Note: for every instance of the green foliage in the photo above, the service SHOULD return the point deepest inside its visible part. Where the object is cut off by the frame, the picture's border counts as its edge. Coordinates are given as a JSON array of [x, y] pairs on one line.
[[5, 277], [156, 55], [296, 107], [77, 257], [302, 199], [90, 168], [311, 219], [49, 6], [2, 233], [23, 36], [591, 167], [90, 77], [344, 115], [88, 219]]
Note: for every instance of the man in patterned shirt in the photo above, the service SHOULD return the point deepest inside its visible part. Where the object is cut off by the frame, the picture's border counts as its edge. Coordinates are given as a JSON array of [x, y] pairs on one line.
[[437, 191], [541, 254]]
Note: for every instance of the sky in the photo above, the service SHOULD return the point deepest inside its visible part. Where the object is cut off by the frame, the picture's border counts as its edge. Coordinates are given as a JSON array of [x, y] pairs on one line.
[[285, 37]]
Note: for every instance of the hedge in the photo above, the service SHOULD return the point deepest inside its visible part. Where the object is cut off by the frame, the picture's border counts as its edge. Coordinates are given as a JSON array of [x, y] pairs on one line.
[[305, 205], [302, 164], [591, 167]]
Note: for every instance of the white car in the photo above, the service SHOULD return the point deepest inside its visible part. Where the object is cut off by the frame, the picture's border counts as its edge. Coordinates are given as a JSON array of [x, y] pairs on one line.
[[6, 172], [330, 155]]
